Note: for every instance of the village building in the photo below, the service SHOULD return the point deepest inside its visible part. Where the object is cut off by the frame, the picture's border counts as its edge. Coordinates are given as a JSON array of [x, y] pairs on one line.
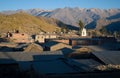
[[41, 37], [8, 44], [83, 41], [60, 40], [54, 46], [84, 32], [19, 37], [92, 41]]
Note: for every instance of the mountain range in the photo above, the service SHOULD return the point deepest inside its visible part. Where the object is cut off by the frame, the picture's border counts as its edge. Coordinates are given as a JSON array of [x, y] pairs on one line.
[[92, 18]]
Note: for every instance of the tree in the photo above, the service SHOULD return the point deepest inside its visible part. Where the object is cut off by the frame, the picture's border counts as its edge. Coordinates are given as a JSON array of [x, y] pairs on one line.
[[81, 26], [103, 31], [94, 33], [115, 34], [64, 29]]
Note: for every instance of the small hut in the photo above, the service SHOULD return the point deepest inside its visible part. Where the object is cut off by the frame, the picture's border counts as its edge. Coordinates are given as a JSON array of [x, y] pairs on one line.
[[33, 47]]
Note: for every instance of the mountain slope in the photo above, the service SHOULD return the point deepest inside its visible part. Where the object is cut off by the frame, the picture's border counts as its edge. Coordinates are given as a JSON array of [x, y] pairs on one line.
[[93, 18], [25, 23], [114, 26], [110, 25]]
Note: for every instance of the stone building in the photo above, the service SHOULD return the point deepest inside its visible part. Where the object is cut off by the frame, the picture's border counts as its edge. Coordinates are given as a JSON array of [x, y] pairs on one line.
[[41, 37], [19, 37]]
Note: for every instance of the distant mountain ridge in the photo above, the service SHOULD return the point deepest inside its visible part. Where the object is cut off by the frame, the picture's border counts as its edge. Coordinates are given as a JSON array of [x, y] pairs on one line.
[[34, 12], [71, 16]]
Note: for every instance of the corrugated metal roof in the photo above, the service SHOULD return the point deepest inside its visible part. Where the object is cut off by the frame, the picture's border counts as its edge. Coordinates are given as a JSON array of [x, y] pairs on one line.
[[28, 56], [89, 62], [16, 56], [55, 66], [59, 66], [108, 57]]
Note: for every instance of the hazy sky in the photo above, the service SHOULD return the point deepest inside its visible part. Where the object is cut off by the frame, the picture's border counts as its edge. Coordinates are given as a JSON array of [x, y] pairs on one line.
[[53, 4]]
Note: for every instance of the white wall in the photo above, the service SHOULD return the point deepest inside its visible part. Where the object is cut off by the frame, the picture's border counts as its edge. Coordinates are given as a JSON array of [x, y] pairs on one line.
[[84, 32]]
